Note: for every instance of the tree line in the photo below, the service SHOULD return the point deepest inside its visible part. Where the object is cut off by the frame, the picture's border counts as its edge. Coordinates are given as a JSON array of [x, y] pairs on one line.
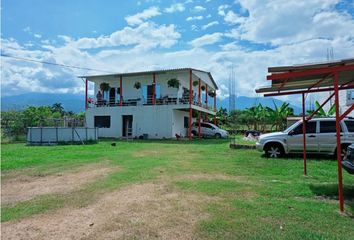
[[14, 123], [263, 118]]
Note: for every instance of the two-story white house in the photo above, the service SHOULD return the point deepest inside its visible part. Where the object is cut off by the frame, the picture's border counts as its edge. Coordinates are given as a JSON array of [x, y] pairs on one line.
[[153, 104]]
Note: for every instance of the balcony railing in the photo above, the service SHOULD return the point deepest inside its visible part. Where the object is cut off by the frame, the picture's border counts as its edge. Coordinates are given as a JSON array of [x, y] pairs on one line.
[[136, 101]]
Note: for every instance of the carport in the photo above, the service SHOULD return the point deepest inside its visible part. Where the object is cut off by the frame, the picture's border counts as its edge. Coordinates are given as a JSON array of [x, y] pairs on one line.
[[310, 78]]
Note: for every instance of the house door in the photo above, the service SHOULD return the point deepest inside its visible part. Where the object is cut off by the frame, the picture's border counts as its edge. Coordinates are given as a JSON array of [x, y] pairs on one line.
[[150, 92], [112, 96], [127, 125]]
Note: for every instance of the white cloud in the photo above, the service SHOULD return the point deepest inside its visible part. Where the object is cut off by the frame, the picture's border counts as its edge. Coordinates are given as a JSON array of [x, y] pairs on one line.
[[177, 7], [194, 27], [250, 66], [214, 23], [29, 31], [145, 36], [199, 9], [144, 15], [284, 22], [314, 27], [206, 39], [222, 8], [232, 46], [233, 18], [194, 18]]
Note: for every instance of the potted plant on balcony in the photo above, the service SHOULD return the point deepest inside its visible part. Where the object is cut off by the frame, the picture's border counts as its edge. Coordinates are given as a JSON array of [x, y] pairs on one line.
[[104, 87], [173, 82], [137, 85], [195, 83], [211, 93]]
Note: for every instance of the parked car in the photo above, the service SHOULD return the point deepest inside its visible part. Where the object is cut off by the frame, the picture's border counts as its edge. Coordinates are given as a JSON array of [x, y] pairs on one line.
[[348, 161], [320, 138], [209, 130]]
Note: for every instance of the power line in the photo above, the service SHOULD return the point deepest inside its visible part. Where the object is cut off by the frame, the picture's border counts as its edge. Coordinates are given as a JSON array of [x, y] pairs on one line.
[[51, 63]]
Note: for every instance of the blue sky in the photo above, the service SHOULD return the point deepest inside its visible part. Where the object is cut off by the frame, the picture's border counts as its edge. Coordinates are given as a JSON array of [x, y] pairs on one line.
[[119, 36]]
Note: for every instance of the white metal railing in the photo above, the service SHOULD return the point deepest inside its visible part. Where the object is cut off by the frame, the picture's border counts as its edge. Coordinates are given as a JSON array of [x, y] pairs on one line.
[[139, 101]]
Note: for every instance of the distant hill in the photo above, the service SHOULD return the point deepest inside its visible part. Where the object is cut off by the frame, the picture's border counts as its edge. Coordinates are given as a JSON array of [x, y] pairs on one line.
[[70, 102], [75, 102]]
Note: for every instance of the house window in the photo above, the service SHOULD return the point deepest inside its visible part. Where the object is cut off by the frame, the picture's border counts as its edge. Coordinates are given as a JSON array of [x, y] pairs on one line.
[[102, 121], [186, 122]]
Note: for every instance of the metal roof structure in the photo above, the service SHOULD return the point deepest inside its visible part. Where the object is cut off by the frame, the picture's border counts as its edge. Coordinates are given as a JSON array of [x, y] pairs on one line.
[[309, 78], [162, 71], [316, 77]]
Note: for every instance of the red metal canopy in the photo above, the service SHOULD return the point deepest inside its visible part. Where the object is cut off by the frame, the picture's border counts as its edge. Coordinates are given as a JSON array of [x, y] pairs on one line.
[[309, 78]]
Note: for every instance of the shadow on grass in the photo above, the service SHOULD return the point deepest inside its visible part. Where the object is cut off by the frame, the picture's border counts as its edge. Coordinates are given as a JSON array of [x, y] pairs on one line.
[[330, 191]]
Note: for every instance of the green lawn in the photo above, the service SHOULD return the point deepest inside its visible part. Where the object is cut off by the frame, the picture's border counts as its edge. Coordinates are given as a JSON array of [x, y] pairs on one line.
[[256, 197]]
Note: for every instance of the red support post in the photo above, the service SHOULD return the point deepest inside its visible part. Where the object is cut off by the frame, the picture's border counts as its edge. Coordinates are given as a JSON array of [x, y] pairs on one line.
[[206, 102], [215, 107], [199, 94], [351, 108], [199, 104], [154, 88], [304, 132], [190, 106], [199, 120], [86, 94], [120, 91], [339, 150]]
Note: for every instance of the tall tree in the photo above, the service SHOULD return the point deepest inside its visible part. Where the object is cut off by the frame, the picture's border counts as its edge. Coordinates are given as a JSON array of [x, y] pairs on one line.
[[58, 107]]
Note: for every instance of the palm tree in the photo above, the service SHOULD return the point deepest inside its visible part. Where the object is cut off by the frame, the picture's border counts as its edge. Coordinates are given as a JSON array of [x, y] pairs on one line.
[[278, 115], [222, 115], [57, 107]]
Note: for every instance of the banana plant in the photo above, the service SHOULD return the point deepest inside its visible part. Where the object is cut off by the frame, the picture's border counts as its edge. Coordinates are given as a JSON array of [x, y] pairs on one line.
[[321, 112], [278, 115]]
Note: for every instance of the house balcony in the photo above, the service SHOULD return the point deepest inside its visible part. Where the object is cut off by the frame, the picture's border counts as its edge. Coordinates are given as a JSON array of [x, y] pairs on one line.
[[172, 100]]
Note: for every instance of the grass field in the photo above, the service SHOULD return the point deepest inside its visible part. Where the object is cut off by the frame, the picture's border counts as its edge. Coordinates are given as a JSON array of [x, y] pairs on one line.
[[170, 190]]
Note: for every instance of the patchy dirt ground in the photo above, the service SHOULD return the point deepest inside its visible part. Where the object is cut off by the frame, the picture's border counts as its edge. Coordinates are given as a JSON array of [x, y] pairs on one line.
[[154, 210], [23, 187]]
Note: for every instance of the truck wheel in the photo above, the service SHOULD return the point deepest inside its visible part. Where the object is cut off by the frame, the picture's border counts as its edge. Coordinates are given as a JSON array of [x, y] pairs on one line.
[[274, 150]]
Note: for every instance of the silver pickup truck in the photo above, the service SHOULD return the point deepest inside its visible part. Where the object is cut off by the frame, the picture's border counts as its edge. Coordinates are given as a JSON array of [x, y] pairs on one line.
[[320, 138]]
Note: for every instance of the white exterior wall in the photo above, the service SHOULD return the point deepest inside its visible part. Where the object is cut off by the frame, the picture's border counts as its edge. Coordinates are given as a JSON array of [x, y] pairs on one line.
[[156, 121]]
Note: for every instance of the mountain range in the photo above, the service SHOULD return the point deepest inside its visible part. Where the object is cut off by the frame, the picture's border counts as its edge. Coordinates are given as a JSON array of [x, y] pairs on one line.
[[75, 102]]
